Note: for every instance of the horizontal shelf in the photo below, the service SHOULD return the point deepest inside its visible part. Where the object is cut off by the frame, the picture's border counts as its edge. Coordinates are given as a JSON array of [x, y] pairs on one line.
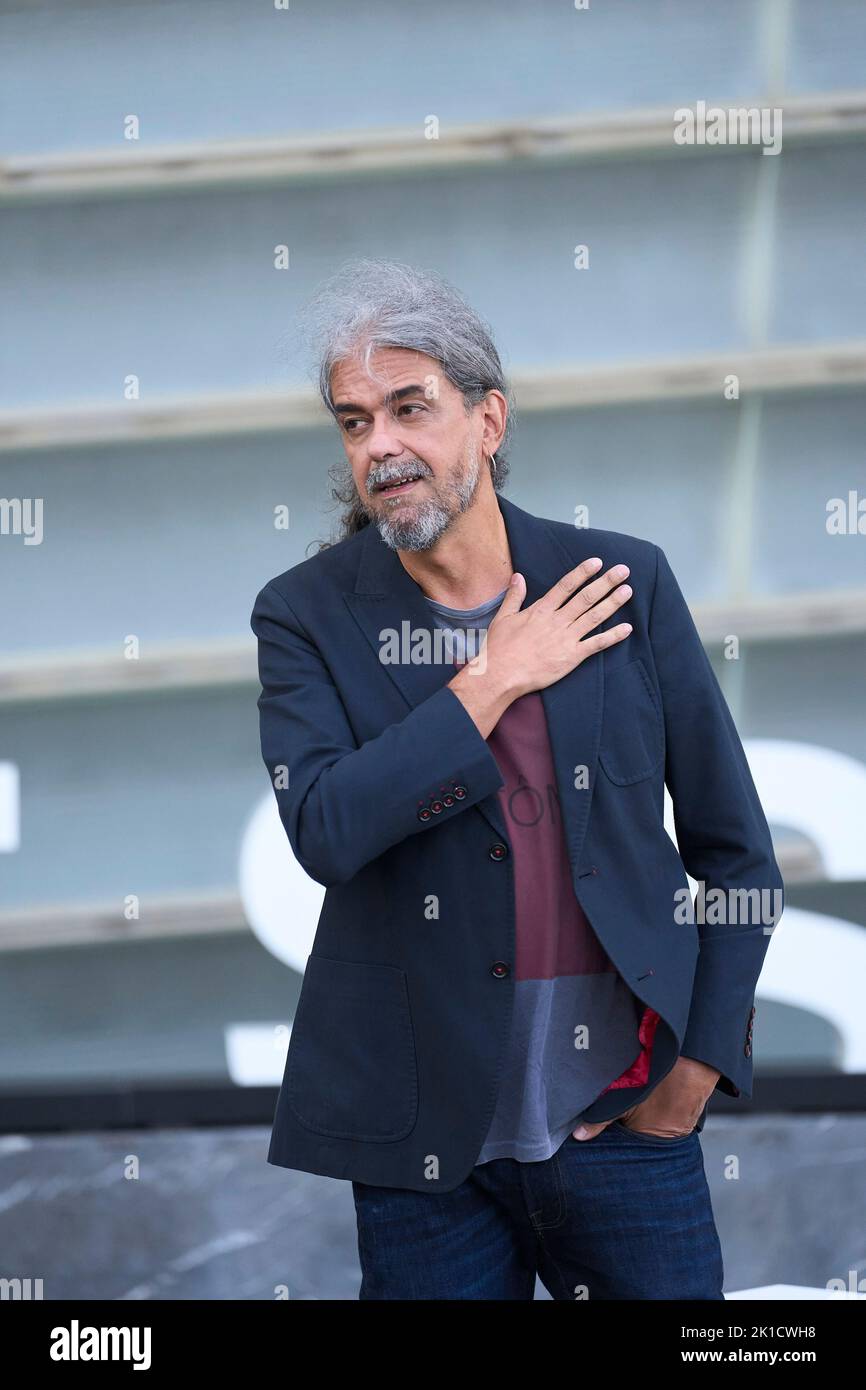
[[776, 618], [136, 168], [56, 925], [811, 367], [51, 676], [167, 666], [203, 914]]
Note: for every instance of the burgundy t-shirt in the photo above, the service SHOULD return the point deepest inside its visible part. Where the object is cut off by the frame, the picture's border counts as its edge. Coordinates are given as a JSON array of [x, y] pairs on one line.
[[577, 1028]]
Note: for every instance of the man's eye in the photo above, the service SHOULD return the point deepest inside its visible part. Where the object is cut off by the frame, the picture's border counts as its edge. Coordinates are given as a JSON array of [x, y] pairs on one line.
[[351, 420]]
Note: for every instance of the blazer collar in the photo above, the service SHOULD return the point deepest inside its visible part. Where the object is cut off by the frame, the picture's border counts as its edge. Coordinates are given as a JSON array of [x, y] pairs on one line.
[[386, 596]]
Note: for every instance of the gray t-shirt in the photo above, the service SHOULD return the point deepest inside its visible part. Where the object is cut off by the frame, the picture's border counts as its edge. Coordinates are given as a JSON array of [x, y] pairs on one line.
[[574, 1027]]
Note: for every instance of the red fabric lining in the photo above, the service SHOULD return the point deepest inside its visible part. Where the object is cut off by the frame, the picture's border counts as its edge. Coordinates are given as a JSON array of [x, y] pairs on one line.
[[638, 1073]]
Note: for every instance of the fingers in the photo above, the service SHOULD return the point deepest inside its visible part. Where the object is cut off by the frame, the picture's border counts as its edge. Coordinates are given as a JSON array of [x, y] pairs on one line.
[[584, 610], [585, 1131], [514, 596], [565, 587], [601, 640], [591, 593], [586, 621]]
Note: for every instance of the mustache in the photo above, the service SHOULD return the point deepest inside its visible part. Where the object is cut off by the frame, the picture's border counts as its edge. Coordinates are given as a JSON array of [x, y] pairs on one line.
[[405, 471]]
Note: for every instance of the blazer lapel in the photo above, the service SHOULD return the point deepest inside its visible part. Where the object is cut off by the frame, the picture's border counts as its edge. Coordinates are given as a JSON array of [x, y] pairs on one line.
[[386, 599]]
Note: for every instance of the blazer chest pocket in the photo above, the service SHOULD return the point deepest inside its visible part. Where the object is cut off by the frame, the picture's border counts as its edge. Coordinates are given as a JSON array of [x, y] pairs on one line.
[[351, 1070], [632, 735]]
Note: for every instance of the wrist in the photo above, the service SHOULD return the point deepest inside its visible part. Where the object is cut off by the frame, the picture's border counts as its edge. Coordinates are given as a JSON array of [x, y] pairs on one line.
[[698, 1068], [499, 687]]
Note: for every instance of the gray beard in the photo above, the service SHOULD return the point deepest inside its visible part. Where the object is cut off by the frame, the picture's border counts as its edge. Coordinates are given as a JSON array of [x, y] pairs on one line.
[[418, 532], [424, 526]]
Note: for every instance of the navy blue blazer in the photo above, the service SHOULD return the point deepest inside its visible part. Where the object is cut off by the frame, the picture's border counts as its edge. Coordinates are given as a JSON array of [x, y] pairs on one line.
[[387, 792]]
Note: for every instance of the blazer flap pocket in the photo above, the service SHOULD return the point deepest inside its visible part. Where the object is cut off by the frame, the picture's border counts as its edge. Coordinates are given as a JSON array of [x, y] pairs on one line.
[[632, 736]]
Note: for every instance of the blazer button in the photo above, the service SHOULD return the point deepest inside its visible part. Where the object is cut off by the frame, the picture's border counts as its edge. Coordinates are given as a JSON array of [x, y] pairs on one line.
[[499, 969], [460, 791], [424, 813], [498, 851], [436, 807]]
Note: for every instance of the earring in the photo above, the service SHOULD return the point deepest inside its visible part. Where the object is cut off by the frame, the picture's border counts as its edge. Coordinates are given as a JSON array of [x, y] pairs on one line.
[[493, 465]]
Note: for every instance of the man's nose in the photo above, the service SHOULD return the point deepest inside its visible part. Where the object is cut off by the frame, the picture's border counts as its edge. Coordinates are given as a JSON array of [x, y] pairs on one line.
[[383, 441]]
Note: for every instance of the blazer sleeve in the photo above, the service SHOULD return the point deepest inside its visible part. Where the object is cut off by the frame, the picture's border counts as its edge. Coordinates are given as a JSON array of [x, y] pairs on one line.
[[343, 805], [722, 836]]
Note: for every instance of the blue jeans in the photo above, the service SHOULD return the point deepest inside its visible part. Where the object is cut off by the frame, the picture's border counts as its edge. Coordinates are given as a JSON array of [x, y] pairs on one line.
[[619, 1216]]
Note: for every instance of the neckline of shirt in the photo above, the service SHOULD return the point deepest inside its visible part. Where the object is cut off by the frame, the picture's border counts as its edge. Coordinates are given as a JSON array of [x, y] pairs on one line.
[[478, 612]]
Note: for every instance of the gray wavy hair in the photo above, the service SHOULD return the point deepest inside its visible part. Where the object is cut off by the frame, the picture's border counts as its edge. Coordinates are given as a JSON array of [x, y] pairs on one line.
[[369, 304]]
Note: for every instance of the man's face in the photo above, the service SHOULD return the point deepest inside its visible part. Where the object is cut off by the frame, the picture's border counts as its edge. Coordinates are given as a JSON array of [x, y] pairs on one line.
[[411, 425]]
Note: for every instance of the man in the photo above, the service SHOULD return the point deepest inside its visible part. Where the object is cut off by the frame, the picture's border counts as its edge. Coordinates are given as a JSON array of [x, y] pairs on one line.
[[508, 1029]]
